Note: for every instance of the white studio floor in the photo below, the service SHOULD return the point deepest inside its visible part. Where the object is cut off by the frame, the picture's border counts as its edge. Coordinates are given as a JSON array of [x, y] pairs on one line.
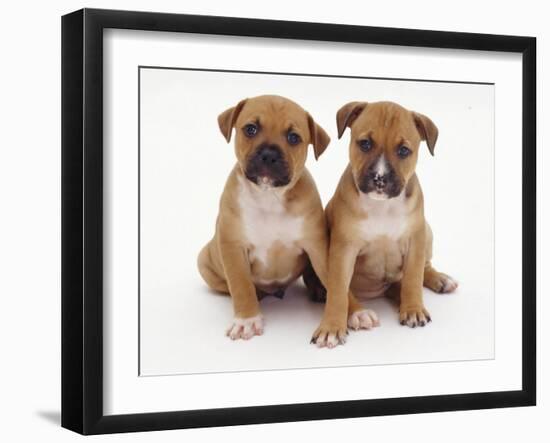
[[184, 333]]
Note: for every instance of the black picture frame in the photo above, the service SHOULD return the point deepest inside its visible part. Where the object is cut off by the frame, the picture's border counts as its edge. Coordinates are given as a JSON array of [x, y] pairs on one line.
[[82, 220]]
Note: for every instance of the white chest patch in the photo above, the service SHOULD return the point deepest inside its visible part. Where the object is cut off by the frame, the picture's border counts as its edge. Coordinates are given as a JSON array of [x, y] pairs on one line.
[[265, 220], [384, 217]]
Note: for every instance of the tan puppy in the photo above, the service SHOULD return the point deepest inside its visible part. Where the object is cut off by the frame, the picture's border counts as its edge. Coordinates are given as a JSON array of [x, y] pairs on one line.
[[271, 218], [380, 242]]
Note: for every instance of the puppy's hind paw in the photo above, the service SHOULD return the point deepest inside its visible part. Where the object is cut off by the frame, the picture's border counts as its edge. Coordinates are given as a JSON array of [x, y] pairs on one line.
[[363, 319], [246, 328], [448, 284], [441, 283], [329, 336]]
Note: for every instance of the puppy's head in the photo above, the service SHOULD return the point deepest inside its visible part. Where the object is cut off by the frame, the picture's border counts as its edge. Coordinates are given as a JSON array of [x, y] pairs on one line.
[[385, 140], [272, 137]]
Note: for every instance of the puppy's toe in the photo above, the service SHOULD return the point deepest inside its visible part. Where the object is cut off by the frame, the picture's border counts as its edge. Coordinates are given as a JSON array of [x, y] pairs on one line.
[[330, 342], [245, 328], [363, 319], [415, 316]]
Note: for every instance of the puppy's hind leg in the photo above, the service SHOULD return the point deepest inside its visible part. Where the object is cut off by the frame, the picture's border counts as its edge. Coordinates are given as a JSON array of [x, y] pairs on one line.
[[434, 280], [208, 268]]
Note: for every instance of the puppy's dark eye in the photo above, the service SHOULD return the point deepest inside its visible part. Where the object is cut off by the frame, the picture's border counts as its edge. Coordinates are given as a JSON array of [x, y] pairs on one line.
[[403, 152], [293, 138], [250, 130], [365, 144]]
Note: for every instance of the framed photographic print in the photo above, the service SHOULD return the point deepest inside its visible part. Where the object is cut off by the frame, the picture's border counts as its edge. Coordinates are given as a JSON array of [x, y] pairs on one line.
[[269, 221]]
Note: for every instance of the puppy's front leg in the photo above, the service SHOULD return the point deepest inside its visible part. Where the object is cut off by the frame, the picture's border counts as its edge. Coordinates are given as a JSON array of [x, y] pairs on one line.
[[341, 261], [247, 320], [411, 308]]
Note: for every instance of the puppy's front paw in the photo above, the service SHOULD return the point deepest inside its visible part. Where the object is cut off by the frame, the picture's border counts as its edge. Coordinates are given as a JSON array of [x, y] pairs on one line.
[[414, 316], [363, 319], [246, 328], [330, 334]]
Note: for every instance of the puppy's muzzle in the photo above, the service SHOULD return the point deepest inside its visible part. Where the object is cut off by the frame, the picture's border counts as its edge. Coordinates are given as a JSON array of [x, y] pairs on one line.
[[380, 186], [268, 166]]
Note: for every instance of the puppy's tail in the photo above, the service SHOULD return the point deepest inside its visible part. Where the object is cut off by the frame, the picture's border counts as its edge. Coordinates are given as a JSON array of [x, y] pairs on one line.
[[317, 291]]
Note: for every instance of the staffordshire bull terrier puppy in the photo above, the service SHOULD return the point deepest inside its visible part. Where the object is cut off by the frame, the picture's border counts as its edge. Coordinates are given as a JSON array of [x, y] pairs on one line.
[[380, 242], [271, 221]]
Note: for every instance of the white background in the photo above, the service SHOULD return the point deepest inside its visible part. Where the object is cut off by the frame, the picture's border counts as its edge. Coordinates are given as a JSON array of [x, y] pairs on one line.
[[184, 165], [30, 235]]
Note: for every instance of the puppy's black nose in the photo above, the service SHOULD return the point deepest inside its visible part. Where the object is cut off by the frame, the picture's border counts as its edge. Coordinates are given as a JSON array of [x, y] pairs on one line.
[[269, 154], [379, 181]]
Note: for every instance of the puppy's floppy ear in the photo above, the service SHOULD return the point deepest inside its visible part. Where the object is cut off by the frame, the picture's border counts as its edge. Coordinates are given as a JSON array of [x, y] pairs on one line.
[[227, 119], [427, 129], [347, 114], [319, 137]]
